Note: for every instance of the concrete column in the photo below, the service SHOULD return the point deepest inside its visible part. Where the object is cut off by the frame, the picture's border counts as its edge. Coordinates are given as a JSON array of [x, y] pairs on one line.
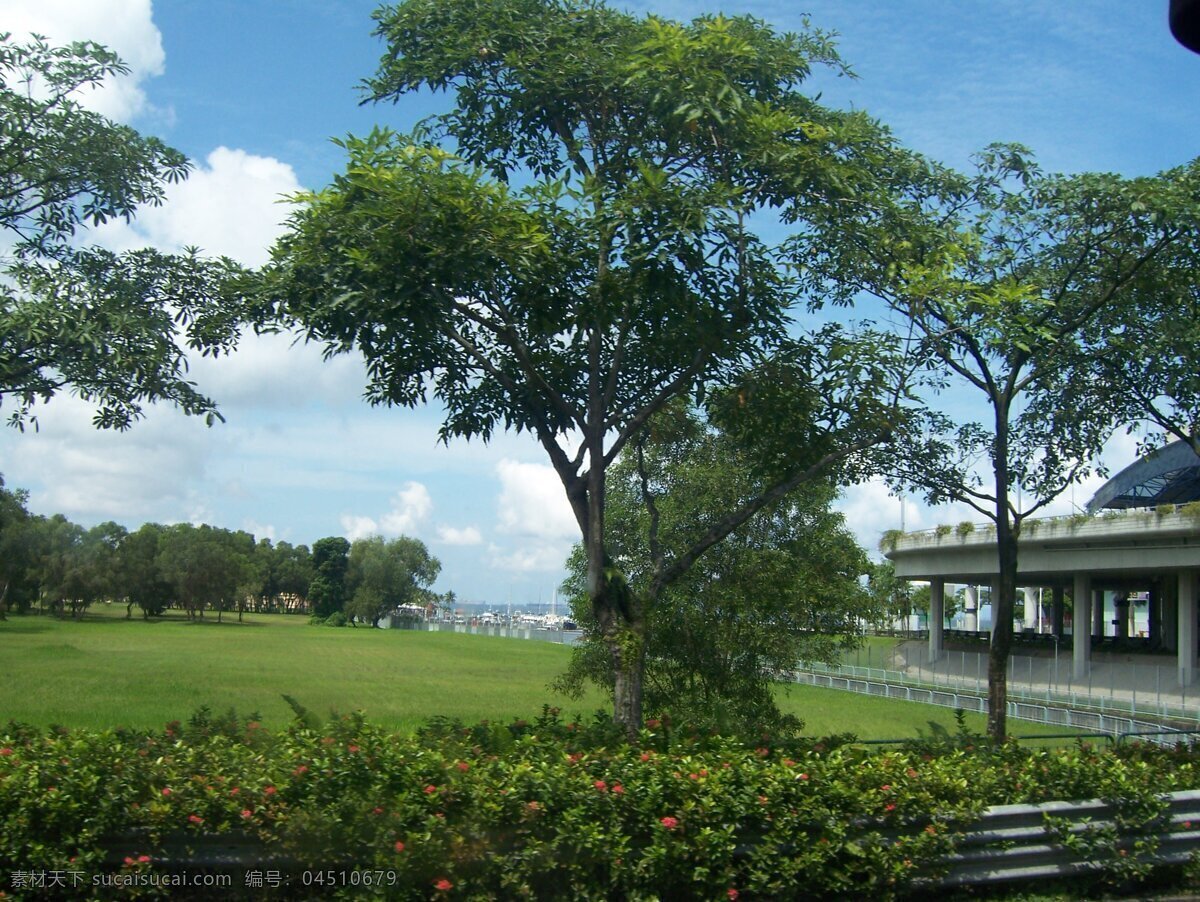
[[1187, 627], [937, 617], [1057, 616], [971, 602], [1082, 620], [1170, 613]]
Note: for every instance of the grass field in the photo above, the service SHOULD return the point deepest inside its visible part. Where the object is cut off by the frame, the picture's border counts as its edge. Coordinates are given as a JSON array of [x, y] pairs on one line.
[[106, 671]]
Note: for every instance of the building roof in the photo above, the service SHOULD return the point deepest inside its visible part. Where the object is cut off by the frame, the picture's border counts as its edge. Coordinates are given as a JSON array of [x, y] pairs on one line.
[[1171, 475]]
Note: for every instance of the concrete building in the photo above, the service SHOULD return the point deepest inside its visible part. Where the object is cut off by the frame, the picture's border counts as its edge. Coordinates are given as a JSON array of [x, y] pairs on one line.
[[1143, 541]]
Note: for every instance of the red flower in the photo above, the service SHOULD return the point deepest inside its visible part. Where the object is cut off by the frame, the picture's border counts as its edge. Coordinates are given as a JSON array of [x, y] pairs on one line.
[[300, 771], [352, 748], [912, 774], [399, 846], [601, 786], [788, 762], [246, 812], [377, 810], [270, 790], [889, 807], [6, 752], [645, 756], [195, 819], [463, 766], [762, 752], [804, 776], [142, 859], [693, 776], [128, 862], [430, 789], [886, 787], [618, 788], [669, 822], [166, 791], [732, 893], [234, 791], [443, 885]]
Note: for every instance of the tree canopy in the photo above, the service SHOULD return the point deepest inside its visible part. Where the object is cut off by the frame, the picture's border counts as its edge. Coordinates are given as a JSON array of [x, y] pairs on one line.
[[782, 589], [572, 246], [101, 323], [1002, 277]]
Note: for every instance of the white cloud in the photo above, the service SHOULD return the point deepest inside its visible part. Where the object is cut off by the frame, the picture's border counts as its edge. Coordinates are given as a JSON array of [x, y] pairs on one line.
[[228, 206], [449, 535], [123, 26], [411, 506], [544, 558], [532, 502], [355, 527]]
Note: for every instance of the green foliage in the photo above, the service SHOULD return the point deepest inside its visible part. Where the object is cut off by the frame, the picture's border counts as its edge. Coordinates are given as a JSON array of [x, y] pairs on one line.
[[111, 326], [964, 529], [942, 530], [330, 563], [383, 575], [571, 247], [781, 589], [543, 808]]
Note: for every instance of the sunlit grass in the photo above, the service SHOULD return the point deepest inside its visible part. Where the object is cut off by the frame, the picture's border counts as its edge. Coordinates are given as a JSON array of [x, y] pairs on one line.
[[107, 671]]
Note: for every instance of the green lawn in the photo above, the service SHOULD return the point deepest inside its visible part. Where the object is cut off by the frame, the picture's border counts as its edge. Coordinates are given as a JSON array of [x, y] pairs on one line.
[[107, 671]]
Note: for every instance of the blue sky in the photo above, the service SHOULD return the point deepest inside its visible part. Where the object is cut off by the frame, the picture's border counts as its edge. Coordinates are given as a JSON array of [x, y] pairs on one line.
[[252, 90]]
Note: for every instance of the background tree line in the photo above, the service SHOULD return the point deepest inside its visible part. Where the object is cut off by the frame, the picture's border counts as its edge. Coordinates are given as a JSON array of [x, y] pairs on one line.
[[59, 567]]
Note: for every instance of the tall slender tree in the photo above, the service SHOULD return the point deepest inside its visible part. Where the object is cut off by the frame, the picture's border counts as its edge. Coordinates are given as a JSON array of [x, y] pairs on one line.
[[1000, 275], [585, 253]]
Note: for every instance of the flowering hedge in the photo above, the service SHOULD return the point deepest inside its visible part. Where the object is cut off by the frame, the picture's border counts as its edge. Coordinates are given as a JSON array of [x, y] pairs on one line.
[[546, 809]]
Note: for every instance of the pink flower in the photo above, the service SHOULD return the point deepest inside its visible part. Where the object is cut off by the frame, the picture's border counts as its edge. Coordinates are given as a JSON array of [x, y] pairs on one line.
[[143, 859], [6, 752], [645, 756], [195, 819], [886, 787], [246, 812], [618, 788], [377, 810], [443, 885], [804, 776], [399, 846], [166, 791], [430, 789], [601, 786], [128, 862], [693, 776], [463, 766], [669, 822], [270, 790], [732, 893], [300, 771], [352, 748], [889, 807]]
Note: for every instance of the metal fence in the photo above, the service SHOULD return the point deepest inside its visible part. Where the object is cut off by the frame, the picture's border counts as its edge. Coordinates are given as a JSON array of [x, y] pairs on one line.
[[1115, 686], [561, 637]]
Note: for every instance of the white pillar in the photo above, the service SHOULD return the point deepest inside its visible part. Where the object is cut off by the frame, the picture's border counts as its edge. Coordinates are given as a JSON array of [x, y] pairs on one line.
[[1187, 627], [937, 616], [971, 609], [1081, 623]]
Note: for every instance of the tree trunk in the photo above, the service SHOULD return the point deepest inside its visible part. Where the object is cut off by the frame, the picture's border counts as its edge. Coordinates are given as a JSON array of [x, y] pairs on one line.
[[1002, 630]]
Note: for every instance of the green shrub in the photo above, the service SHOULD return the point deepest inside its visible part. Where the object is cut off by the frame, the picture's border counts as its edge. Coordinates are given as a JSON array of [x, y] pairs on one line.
[[964, 529], [942, 530], [544, 809]]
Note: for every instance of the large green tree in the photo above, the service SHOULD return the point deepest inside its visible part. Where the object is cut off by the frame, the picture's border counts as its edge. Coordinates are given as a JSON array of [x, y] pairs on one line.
[[385, 574], [103, 324], [1000, 274], [583, 253], [783, 588]]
